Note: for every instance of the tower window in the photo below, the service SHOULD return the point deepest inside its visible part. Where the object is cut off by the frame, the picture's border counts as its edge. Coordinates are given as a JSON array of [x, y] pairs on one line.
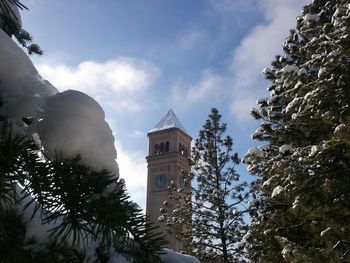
[[181, 149], [161, 148], [156, 149], [167, 147]]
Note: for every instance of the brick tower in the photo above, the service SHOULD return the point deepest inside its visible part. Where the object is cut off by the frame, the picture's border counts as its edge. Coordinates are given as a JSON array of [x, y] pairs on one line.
[[168, 151]]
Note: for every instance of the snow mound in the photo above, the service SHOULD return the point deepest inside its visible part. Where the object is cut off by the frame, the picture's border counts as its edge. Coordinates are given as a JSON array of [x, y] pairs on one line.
[[73, 123], [174, 257], [70, 122], [169, 256], [18, 74]]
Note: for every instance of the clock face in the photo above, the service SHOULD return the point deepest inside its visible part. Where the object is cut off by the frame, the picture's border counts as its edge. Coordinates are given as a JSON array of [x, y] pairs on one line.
[[161, 180]]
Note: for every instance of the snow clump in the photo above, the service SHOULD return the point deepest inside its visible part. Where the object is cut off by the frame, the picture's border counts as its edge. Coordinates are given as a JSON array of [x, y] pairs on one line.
[[310, 17], [290, 68], [324, 232], [296, 202], [302, 71], [257, 133], [267, 71], [252, 203], [268, 182], [285, 149], [254, 151], [247, 236], [286, 251], [161, 218], [313, 151], [292, 105], [339, 127], [73, 123], [278, 190]]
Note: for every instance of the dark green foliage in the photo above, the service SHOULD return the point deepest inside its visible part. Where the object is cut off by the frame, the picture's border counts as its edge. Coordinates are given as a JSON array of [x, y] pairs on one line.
[[12, 232], [147, 240], [11, 149], [304, 171], [11, 25], [14, 248], [9, 21], [83, 205], [208, 216]]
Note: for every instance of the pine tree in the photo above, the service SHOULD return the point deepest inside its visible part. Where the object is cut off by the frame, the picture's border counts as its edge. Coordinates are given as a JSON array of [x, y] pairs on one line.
[[76, 203], [304, 168], [210, 202]]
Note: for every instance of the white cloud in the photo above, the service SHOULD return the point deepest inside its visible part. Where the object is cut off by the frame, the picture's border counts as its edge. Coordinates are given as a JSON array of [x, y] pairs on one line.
[[191, 38], [209, 86], [138, 134], [133, 168], [264, 41], [125, 78], [241, 107], [244, 83], [257, 50], [229, 7]]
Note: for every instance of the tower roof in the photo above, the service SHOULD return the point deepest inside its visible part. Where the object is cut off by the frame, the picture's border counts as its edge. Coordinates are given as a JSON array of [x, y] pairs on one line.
[[167, 122]]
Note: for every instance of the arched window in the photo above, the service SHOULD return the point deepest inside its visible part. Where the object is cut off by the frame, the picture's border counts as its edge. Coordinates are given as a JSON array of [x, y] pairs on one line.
[[167, 147], [161, 148], [182, 149], [156, 149], [185, 151], [180, 146]]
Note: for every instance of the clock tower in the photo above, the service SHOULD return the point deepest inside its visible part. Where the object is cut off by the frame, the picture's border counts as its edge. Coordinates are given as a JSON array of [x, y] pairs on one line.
[[168, 150]]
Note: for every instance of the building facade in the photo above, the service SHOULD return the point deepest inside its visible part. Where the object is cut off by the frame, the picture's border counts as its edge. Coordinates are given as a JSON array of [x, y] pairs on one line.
[[169, 148]]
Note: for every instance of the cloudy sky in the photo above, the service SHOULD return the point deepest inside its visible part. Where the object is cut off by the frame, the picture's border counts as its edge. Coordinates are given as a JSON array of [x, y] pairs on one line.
[[139, 58]]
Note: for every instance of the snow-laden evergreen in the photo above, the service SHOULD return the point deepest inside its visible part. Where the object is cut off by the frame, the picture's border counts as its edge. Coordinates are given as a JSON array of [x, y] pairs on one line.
[[304, 171], [206, 209]]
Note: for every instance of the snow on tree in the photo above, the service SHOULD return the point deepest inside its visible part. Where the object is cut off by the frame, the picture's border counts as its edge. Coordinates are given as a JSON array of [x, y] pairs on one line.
[[61, 199], [304, 169], [206, 209]]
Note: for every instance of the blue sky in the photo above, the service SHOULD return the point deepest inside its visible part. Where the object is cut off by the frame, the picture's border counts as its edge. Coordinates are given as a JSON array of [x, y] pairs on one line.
[[139, 58]]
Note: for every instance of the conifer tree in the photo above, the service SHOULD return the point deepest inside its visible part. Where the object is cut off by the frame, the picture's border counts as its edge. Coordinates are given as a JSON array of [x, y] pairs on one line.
[[210, 202], [304, 168], [77, 205]]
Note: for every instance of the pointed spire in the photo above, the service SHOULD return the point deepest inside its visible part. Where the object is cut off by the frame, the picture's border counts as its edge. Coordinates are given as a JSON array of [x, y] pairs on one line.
[[167, 122]]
